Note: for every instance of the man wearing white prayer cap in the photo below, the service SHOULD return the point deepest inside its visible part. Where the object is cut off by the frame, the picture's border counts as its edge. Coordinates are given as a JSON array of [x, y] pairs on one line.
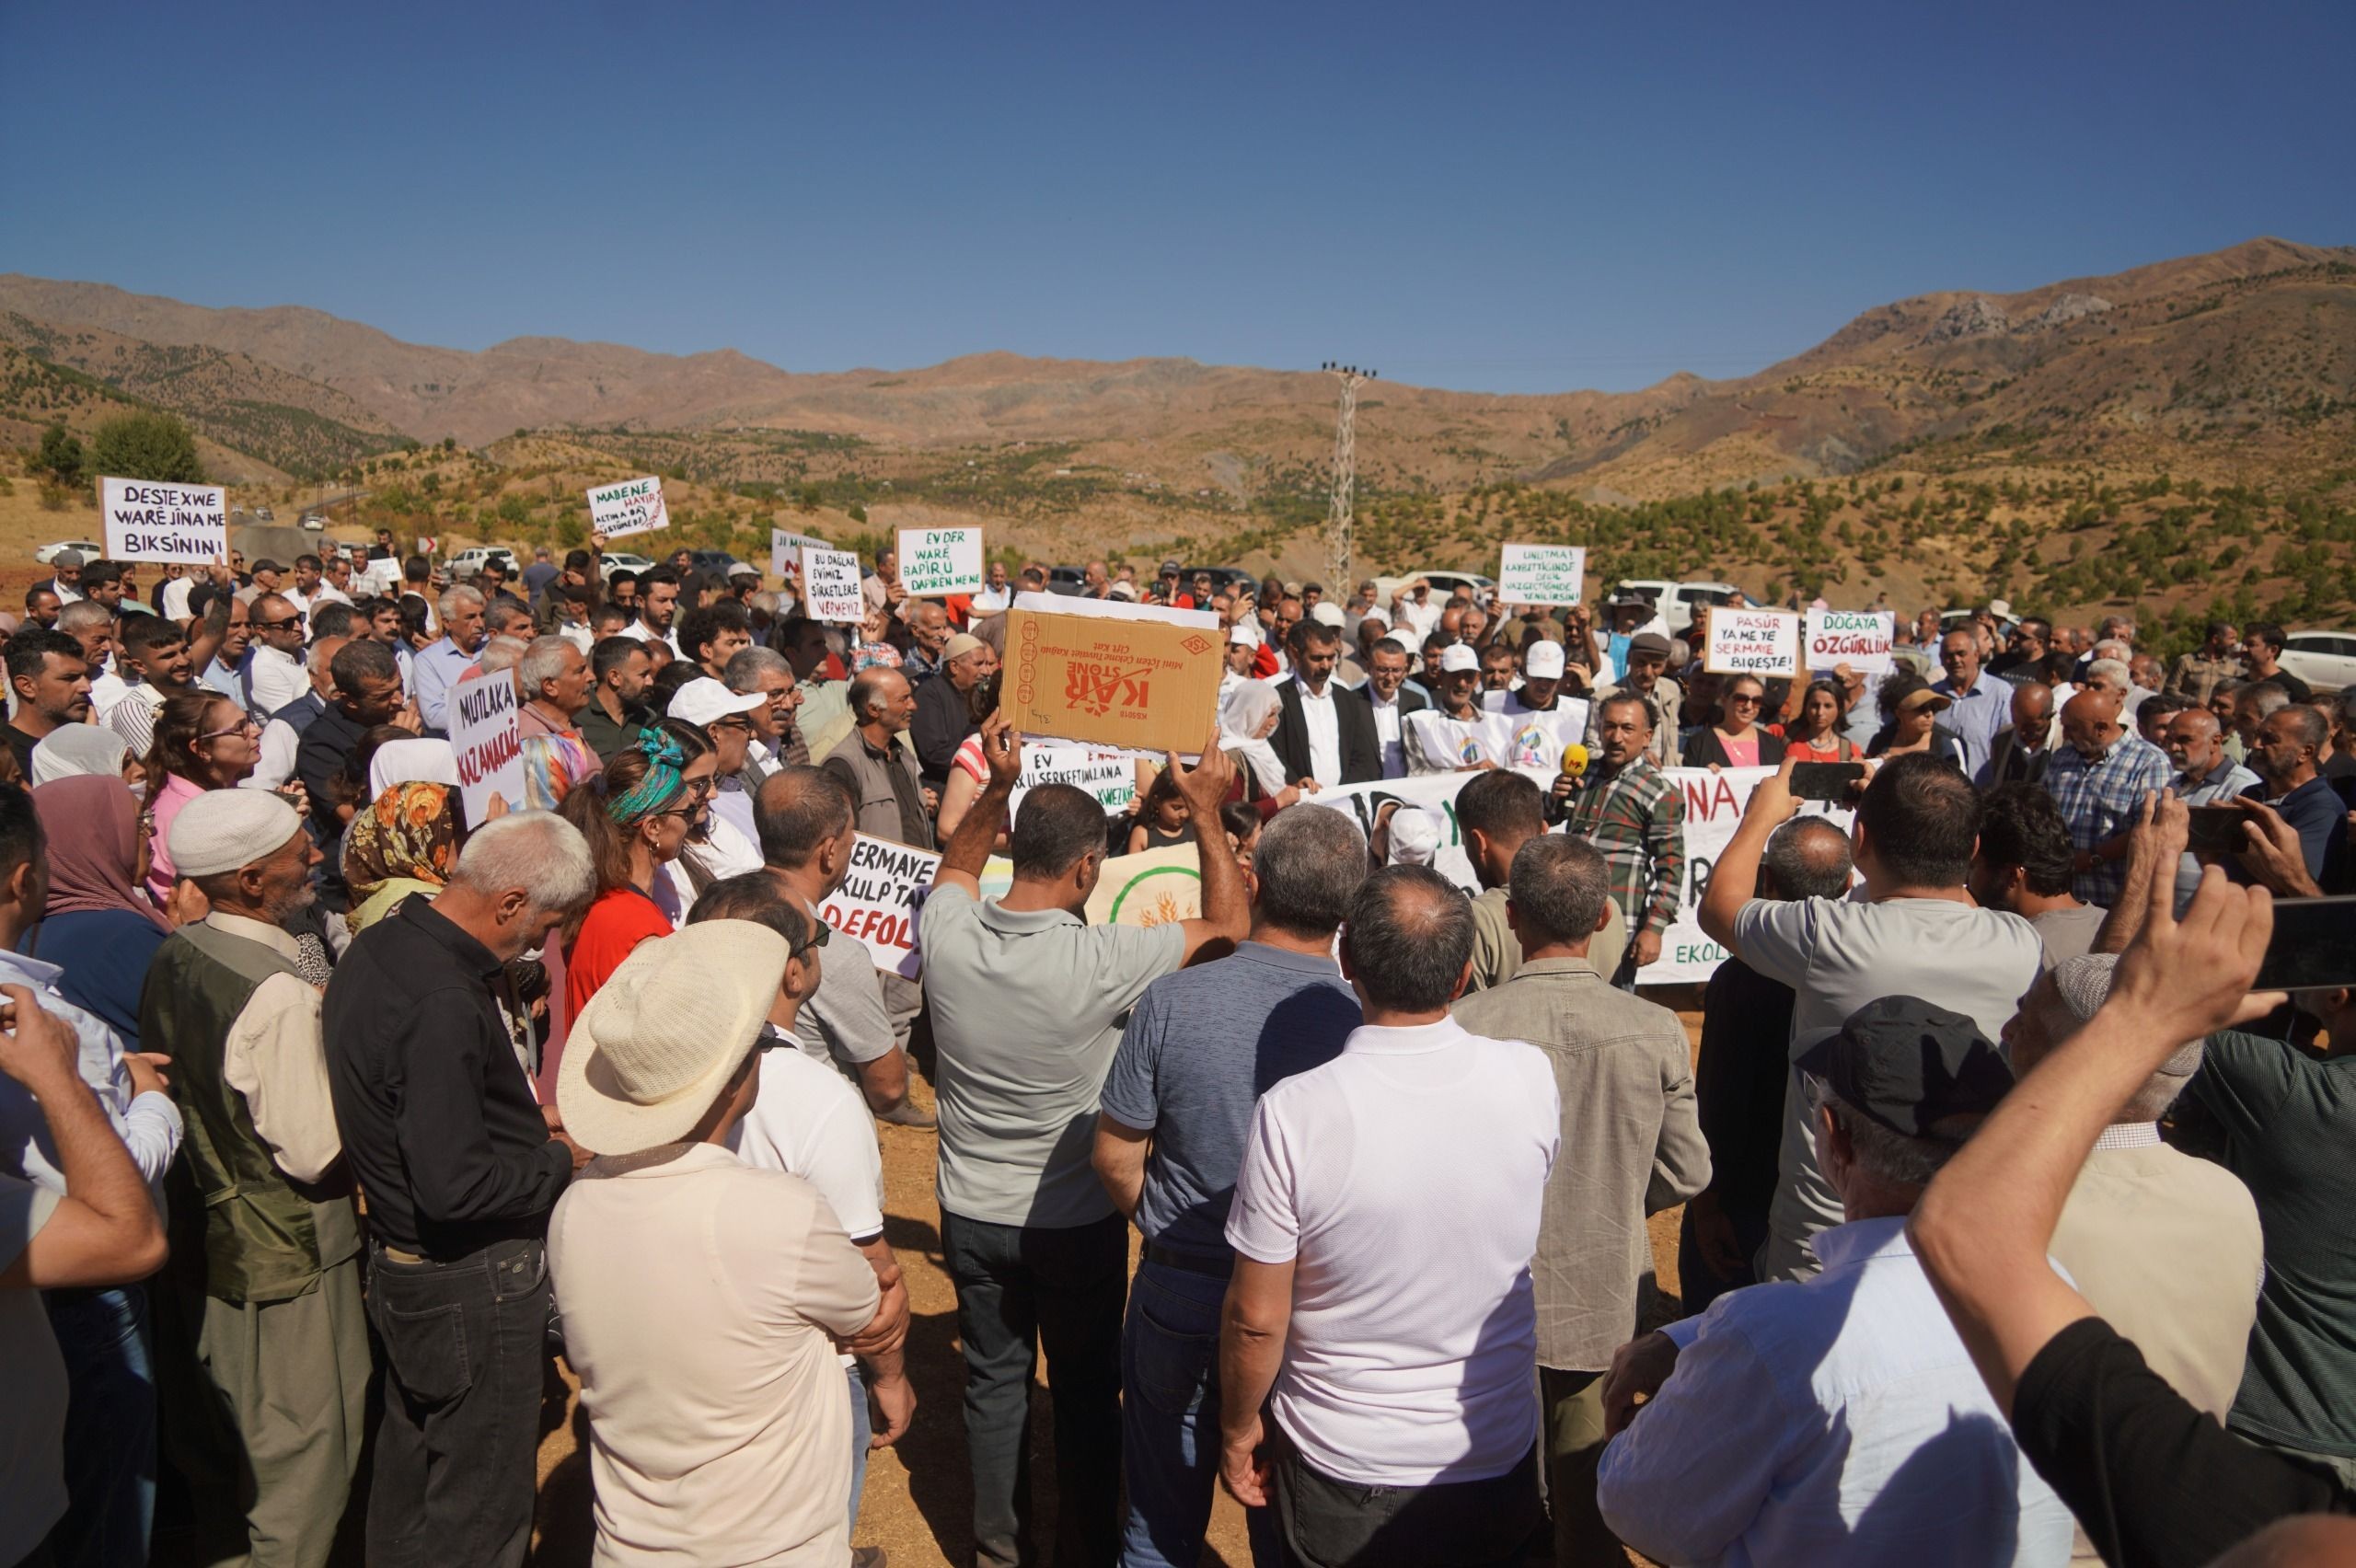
[[274, 1292]]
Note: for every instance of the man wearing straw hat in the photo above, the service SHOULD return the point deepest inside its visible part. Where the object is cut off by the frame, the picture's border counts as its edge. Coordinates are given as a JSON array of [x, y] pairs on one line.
[[701, 1298]]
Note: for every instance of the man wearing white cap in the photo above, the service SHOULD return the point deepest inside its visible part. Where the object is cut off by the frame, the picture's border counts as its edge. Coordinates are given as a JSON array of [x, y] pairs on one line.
[[1243, 651], [1459, 734], [1543, 719], [727, 716], [701, 1298], [944, 708], [274, 1292]]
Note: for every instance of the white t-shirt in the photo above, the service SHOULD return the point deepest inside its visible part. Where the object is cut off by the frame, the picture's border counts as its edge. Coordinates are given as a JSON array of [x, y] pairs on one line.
[[1405, 1180], [810, 1123], [1324, 727], [1837, 955], [176, 594]]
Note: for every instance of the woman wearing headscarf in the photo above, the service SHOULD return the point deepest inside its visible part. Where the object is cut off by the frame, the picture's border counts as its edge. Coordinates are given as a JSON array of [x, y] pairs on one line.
[[72, 749], [1245, 722], [636, 814], [552, 765], [405, 841], [98, 925]]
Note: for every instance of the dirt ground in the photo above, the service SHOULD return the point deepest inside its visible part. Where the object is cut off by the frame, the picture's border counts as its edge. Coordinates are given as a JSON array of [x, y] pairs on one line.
[[917, 1504]]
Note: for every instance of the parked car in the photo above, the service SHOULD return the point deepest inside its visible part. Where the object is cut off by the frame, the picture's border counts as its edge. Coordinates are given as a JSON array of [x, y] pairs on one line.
[[2326, 660], [315, 522], [1066, 580], [470, 562], [713, 563], [85, 549], [1677, 601], [1223, 577], [622, 561]]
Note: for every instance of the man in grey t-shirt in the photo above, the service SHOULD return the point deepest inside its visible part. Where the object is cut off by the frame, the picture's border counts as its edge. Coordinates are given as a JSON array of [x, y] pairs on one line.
[[1028, 1003], [1916, 933], [1200, 1048], [807, 819]]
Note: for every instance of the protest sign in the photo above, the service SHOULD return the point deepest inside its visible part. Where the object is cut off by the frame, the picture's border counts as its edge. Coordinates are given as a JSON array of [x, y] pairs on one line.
[[186, 524], [1536, 740], [632, 506], [1156, 887], [1863, 640], [1118, 609], [1714, 807], [1542, 574], [381, 577], [786, 547], [937, 562], [1148, 685], [830, 586], [876, 905], [1752, 642], [491, 748], [1110, 776]]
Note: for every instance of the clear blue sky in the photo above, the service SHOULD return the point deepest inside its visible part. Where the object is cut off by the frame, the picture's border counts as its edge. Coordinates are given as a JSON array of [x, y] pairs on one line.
[[1513, 198]]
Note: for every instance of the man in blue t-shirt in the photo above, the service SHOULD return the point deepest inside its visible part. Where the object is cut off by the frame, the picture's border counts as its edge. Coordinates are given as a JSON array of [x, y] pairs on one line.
[[1202, 1046]]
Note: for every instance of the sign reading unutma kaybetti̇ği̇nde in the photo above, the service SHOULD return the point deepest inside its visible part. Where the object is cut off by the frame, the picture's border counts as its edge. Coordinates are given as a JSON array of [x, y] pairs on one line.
[[1863, 640], [186, 524], [939, 562], [489, 745], [630, 506], [1752, 642], [830, 586], [1542, 574]]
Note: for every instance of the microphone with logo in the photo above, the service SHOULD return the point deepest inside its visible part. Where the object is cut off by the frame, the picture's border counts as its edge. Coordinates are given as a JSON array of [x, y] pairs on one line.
[[1574, 759]]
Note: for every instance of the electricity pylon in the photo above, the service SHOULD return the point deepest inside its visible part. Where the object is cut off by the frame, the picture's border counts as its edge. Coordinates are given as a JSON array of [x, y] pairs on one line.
[[1339, 545]]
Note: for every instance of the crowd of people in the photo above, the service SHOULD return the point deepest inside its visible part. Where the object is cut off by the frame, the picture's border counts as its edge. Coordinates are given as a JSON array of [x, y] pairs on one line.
[[2013, 1228]]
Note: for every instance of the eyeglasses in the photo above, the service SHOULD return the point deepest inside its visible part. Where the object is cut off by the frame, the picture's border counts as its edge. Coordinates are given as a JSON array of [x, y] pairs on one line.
[[822, 937], [1744, 699], [247, 723], [277, 625]]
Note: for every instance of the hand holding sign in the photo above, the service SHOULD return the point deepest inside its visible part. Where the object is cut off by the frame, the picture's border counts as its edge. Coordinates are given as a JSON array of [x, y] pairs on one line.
[[182, 524], [632, 506], [1003, 749]]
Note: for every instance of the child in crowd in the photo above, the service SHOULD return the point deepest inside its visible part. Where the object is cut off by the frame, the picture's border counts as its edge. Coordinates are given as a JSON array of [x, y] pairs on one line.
[[1165, 819]]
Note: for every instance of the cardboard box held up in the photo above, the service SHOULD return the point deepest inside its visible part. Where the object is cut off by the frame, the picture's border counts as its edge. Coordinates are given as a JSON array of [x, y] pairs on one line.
[[1142, 686]]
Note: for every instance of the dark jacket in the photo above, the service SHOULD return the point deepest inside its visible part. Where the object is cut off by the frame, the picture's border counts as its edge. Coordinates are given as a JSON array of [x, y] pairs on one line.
[[1703, 749], [2008, 764], [1410, 700], [1354, 717], [327, 741], [1944, 745], [941, 724]]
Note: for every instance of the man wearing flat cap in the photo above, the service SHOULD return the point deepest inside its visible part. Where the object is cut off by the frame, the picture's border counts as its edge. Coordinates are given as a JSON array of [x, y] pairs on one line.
[[265, 1248], [1840, 1420], [1647, 657], [944, 712]]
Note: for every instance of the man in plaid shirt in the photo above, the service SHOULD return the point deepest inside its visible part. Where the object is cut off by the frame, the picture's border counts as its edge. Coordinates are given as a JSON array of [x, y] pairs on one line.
[[1625, 807], [2098, 778]]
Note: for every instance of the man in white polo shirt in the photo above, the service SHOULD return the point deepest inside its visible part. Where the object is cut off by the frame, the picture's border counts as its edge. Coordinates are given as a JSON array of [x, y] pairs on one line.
[[1398, 1340]]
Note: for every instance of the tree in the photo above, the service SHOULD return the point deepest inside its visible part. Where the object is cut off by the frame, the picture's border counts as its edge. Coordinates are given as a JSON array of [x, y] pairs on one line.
[[147, 446], [62, 455]]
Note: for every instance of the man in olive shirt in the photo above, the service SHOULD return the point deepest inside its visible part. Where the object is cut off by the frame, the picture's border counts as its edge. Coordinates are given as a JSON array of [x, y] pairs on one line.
[[620, 669], [1498, 812], [1631, 1146]]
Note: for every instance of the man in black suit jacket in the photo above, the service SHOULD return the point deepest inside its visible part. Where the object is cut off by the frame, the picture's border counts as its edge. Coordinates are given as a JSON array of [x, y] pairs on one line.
[[1316, 648], [1386, 678], [2010, 762]]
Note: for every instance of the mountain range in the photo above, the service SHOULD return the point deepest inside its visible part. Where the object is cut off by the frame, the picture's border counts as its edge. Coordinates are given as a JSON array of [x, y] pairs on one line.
[[2238, 363]]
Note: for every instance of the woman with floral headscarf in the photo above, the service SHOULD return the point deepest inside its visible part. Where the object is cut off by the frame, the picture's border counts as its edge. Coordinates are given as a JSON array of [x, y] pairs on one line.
[[636, 814], [405, 841]]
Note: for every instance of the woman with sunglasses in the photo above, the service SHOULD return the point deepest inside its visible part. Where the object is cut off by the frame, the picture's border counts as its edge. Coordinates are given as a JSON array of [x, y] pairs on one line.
[[1736, 740], [203, 741], [636, 814]]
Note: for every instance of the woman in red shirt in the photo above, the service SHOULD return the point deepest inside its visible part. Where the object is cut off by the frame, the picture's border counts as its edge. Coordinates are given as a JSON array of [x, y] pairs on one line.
[[636, 814], [1815, 735]]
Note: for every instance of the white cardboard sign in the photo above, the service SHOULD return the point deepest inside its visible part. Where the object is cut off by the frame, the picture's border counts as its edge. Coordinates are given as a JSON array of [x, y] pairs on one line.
[[1542, 574], [830, 586], [1863, 640], [938, 561], [1753, 643], [186, 524], [1714, 801], [626, 507], [1110, 776], [786, 547], [484, 733], [876, 905]]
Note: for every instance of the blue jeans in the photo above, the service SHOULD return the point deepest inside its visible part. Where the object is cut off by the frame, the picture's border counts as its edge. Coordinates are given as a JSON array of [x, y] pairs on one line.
[[1170, 1443], [860, 1432], [103, 1337]]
